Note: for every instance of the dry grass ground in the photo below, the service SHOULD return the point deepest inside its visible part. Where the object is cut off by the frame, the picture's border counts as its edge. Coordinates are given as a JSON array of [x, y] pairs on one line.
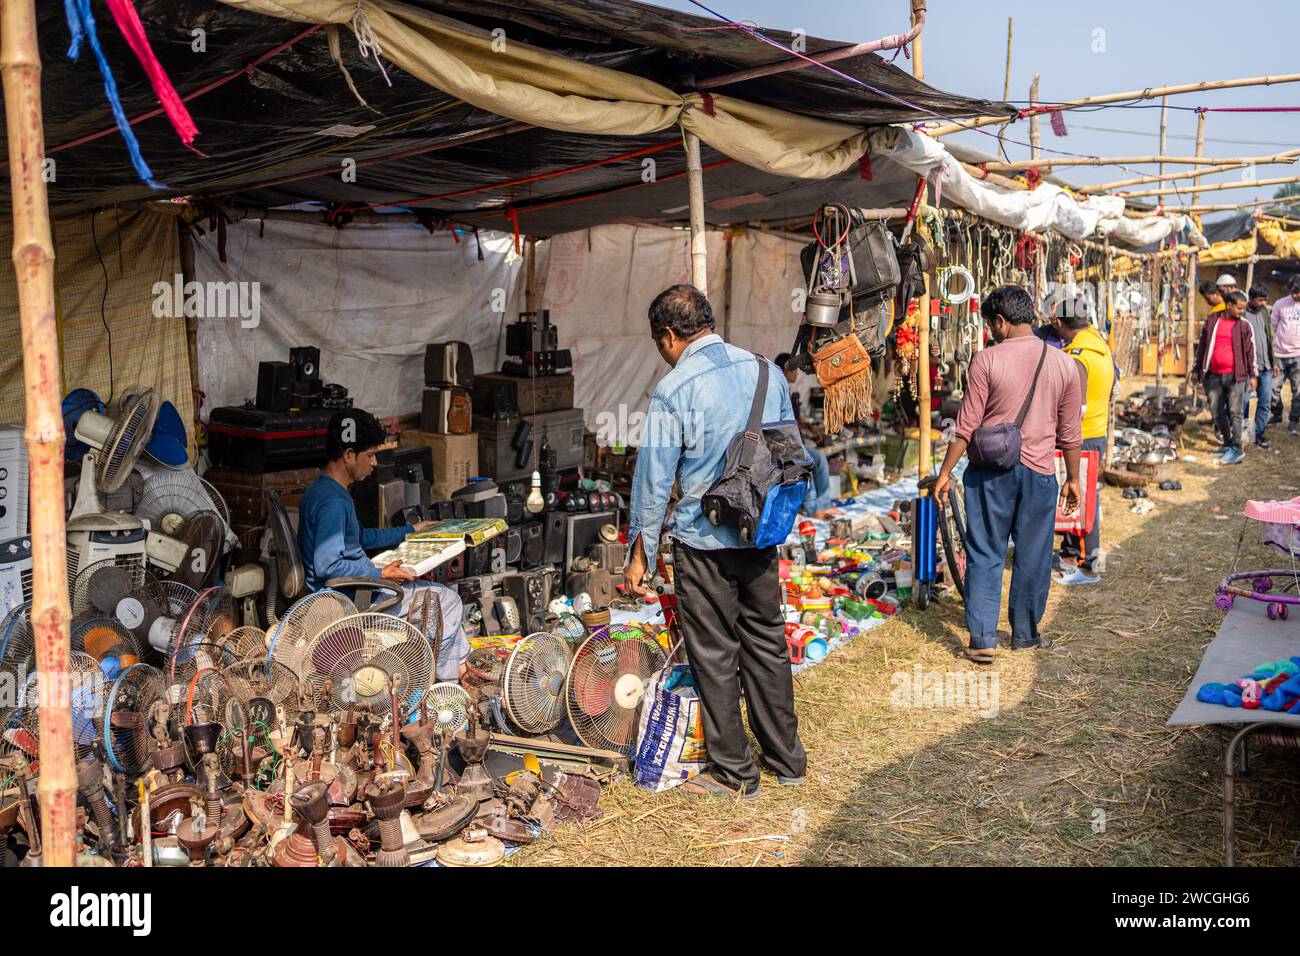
[[1080, 739]]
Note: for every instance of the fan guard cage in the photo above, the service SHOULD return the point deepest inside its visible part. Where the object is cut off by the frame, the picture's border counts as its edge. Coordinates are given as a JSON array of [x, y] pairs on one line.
[[131, 431], [179, 493], [448, 707], [210, 620], [360, 659], [17, 640], [107, 640], [288, 640], [606, 684], [257, 682], [128, 719], [533, 686]]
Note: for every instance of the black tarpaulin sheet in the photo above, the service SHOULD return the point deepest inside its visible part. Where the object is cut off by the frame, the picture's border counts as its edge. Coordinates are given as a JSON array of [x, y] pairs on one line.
[[285, 131]]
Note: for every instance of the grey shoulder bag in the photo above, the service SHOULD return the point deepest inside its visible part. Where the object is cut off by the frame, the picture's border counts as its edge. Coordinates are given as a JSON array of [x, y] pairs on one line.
[[998, 446]]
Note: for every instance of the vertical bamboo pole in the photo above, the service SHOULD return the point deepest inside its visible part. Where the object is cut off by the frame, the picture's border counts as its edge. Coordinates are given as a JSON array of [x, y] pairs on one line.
[[695, 191], [923, 450], [1250, 264], [530, 274], [1034, 149], [1192, 276], [1157, 300], [33, 255], [1164, 134], [1006, 84]]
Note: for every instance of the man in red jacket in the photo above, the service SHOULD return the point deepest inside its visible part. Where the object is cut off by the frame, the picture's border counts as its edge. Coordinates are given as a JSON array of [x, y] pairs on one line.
[[1225, 363]]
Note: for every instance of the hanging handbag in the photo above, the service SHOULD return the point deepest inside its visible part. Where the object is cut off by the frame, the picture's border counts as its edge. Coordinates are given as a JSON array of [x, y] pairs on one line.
[[997, 447]]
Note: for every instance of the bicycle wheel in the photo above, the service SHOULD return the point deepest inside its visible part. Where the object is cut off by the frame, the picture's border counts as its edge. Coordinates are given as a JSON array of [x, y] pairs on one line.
[[952, 531]]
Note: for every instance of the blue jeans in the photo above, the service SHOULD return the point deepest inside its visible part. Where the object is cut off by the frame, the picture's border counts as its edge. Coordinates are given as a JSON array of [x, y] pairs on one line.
[[1019, 505], [819, 493], [1263, 403]]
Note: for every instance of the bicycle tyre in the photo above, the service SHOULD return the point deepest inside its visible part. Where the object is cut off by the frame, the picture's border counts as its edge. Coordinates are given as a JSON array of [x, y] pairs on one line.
[[952, 532]]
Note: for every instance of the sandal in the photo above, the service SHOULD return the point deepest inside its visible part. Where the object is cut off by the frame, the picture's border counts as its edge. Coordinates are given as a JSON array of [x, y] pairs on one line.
[[980, 655]]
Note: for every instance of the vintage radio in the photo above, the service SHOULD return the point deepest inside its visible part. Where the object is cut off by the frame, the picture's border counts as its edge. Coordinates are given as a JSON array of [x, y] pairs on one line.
[[531, 591], [449, 363], [446, 411]]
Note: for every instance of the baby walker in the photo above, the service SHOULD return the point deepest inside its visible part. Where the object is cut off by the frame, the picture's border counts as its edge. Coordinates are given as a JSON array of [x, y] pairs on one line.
[[1281, 528]]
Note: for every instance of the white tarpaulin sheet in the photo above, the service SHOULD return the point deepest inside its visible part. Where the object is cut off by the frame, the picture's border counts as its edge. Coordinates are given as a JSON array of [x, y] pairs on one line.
[[1045, 207], [371, 297]]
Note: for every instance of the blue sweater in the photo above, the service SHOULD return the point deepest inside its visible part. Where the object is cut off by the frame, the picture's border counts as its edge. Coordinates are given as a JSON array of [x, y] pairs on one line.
[[331, 539]]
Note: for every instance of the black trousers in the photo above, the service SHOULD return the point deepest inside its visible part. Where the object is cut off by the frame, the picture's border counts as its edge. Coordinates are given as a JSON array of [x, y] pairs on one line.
[[1227, 399], [729, 603]]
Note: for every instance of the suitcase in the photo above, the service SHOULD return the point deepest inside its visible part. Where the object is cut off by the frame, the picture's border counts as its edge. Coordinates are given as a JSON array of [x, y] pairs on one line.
[[245, 492], [496, 394], [253, 440], [500, 456]]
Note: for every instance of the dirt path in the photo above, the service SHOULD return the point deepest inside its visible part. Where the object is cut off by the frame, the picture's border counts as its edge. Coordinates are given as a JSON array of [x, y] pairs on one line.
[[1077, 767]]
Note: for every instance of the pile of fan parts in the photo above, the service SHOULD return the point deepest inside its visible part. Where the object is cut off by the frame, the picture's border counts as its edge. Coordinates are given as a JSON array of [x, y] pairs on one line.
[[324, 740]]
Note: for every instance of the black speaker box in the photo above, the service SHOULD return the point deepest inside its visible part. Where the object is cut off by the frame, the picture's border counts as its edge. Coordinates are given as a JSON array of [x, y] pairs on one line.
[[556, 525], [533, 550], [274, 386]]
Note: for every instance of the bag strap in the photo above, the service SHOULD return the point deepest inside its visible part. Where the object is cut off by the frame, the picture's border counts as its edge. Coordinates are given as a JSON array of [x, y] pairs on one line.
[[1024, 409], [755, 424]]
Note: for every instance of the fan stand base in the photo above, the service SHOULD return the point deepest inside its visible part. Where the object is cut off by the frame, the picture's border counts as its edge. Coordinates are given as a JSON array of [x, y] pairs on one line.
[[87, 502]]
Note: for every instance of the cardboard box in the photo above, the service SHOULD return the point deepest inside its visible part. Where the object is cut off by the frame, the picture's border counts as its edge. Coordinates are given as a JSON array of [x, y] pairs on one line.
[[455, 459]]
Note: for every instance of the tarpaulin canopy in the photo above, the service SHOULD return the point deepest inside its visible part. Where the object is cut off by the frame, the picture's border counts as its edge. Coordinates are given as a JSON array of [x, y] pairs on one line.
[[613, 76]]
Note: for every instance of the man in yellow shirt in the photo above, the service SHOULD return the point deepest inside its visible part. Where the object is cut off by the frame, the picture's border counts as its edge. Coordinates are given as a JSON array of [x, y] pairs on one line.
[[1097, 374]]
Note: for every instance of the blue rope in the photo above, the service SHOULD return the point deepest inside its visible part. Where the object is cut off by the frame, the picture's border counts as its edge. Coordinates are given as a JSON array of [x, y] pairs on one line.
[[81, 24]]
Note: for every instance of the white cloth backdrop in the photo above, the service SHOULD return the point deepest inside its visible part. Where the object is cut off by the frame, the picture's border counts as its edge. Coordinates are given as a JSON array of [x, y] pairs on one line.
[[372, 296]]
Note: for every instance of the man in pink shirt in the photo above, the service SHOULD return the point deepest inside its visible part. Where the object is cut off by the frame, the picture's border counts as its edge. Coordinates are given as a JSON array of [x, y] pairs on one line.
[[1286, 349], [1018, 503]]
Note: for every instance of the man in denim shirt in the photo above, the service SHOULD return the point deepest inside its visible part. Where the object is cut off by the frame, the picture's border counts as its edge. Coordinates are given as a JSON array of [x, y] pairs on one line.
[[728, 593]]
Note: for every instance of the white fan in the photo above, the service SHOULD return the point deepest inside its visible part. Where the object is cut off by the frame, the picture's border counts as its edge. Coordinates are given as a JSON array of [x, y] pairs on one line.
[[362, 660], [448, 707], [533, 686], [115, 445], [287, 641], [170, 498]]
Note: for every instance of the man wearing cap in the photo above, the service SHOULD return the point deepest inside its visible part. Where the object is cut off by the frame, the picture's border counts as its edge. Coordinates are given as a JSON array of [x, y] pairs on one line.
[[1286, 353]]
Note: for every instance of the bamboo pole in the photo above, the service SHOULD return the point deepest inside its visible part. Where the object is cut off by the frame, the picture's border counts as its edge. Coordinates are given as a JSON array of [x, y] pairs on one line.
[[891, 42], [33, 255], [1211, 187], [1019, 165], [1190, 318], [923, 449], [1006, 83], [1225, 207], [1164, 137], [1035, 149], [695, 191], [1254, 257], [1281, 159], [530, 274], [947, 129]]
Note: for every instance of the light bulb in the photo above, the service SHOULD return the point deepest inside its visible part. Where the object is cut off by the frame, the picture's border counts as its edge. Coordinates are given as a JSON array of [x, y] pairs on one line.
[[535, 502]]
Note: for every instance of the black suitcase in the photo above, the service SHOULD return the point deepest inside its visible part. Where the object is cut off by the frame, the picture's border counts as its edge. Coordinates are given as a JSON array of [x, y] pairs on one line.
[[250, 439]]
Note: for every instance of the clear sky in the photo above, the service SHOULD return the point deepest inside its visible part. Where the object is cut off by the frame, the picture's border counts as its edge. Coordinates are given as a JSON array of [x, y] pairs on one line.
[[1089, 48]]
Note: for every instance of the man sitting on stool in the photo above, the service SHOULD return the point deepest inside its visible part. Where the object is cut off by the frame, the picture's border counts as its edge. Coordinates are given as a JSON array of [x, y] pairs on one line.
[[334, 545]]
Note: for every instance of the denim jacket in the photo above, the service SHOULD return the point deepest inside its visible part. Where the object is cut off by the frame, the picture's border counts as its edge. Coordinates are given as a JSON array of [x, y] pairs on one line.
[[695, 411]]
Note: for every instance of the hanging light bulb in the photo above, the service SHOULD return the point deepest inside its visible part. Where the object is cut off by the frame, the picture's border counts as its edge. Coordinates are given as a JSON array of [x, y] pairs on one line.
[[535, 502]]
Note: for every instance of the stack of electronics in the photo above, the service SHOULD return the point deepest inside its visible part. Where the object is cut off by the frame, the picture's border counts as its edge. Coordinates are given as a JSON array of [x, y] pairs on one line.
[[15, 546], [284, 427], [448, 378]]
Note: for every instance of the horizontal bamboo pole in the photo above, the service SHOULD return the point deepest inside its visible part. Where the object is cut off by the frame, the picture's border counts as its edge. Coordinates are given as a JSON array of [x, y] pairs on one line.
[[1020, 165], [1150, 92], [1214, 187], [1281, 159]]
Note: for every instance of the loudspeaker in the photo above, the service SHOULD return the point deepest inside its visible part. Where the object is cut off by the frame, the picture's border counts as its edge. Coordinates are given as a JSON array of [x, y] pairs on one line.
[[478, 558], [514, 546], [557, 524], [274, 386], [305, 361], [531, 592], [449, 363], [442, 510], [533, 550]]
